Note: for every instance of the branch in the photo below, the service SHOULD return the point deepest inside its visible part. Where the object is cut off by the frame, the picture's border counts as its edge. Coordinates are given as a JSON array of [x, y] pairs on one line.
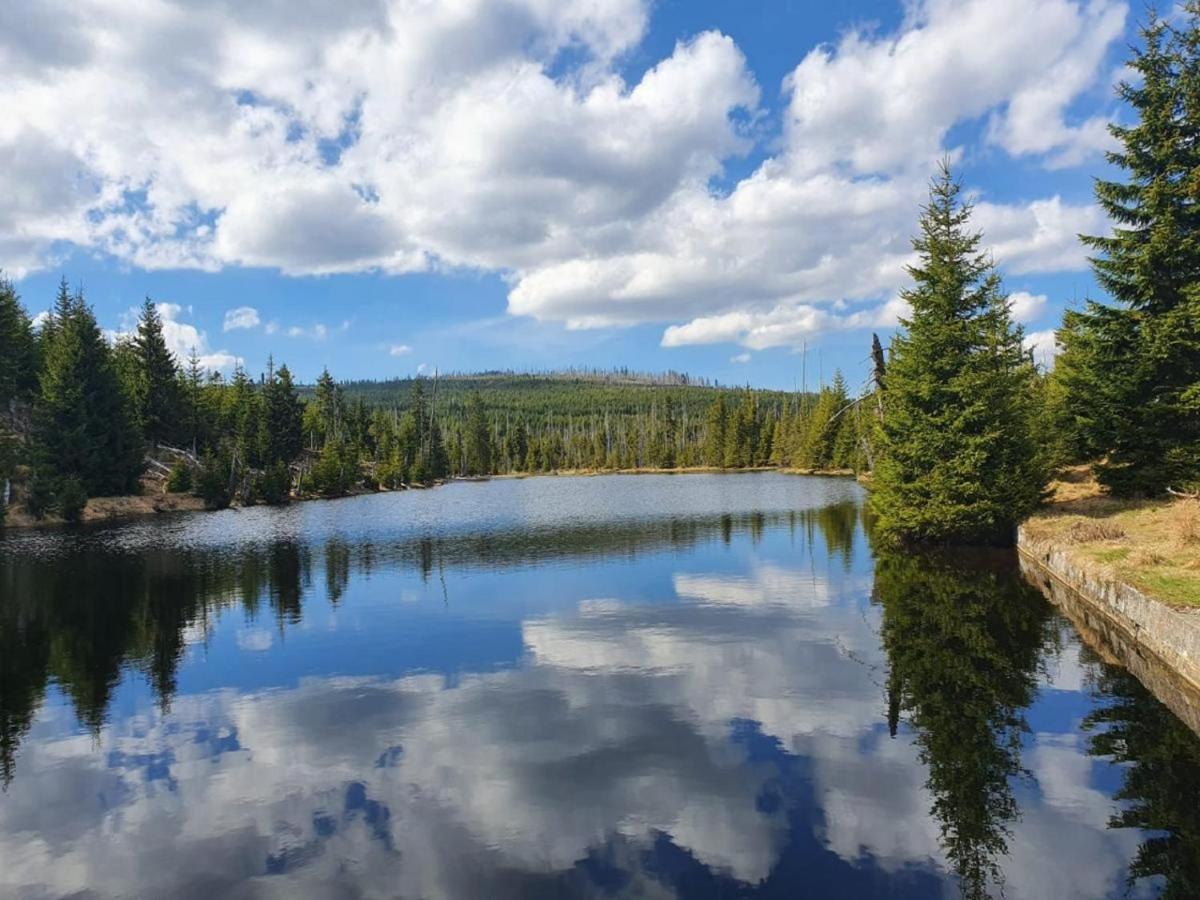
[[154, 463], [1193, 495], [183, 454]]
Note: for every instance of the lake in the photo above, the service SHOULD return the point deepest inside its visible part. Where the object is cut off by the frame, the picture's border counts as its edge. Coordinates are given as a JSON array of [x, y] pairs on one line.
[[620, 686]]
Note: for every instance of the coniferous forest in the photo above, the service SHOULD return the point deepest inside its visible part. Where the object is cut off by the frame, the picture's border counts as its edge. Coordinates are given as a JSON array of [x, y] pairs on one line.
[[958, 427], [89, 418]]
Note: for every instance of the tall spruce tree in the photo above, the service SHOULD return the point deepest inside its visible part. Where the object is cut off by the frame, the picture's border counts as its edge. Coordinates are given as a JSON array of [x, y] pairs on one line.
[[84, 426], [716, 425], [282, 418], [959, 461], [18, 350], [192, 393], [159, 405], [1133, 368], [478, 438]]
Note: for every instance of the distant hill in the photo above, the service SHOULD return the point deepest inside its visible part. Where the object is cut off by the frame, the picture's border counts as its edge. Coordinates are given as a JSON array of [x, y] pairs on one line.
[[583, 419], [537, 397]]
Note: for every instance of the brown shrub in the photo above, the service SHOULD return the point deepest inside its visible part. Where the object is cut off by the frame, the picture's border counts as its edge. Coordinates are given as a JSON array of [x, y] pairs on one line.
[[1185, 521], [1145, 556], [1087, 530]]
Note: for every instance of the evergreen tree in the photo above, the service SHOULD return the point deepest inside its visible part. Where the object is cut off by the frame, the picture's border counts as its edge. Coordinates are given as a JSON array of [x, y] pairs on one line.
[[83, 421], [157, 382], [959, 461], [282, 418], [819, 433], [518, 446], [1147, 347], [18, 381], [1085, 399], [192, 392], [716, 423], [326, 413], [741, 433], [478, 438], [242, 420], [18, 350]]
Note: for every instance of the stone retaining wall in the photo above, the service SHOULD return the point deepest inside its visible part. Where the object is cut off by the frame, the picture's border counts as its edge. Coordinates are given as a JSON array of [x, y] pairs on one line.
[[1160, 645]]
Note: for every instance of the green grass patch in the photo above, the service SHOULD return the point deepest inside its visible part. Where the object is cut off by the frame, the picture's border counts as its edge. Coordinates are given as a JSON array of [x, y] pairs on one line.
[[1176, 588], [1112, 555]]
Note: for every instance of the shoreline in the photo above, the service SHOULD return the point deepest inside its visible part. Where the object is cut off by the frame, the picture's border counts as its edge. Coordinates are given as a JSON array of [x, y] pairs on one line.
[[133, 507], [1126, 573], [1124, 627], [1157, 642]]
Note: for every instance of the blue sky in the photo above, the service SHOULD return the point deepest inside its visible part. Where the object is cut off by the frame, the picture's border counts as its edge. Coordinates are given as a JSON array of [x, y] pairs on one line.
[[379, 187]]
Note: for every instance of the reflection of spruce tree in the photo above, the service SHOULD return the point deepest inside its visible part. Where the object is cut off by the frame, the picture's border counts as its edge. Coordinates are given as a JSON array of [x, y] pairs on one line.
[[963, 641], [337, 569], [168, 604], [837, 523], [288, 570], [1162, 781], [92, 619], [24, 658]]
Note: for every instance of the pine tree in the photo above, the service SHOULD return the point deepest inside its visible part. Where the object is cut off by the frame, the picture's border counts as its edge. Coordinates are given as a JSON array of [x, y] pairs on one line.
[[1133, 369], [959, 461], [84, 425], [158, 402]]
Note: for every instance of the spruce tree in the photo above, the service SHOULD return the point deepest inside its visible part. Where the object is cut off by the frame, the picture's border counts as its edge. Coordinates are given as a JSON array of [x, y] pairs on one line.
[[478, 438], [282, 418], [1132, 376], [159, 406], [18, 350], [328, 410], [716, 425], [84, 426], [959, 461], [192, 393]]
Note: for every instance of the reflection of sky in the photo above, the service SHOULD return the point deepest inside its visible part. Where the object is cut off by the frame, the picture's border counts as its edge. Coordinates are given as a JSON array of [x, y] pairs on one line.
[[617, 726]]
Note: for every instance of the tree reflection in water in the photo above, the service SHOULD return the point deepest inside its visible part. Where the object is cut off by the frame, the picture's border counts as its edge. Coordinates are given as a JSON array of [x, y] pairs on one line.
[[1161, 783], [80, 620], [963, 635]]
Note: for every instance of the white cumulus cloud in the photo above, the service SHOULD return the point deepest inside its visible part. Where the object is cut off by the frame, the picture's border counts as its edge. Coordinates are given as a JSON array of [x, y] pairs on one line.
[[1043, 346], [1026, 307], [502, 137], [242, 317]]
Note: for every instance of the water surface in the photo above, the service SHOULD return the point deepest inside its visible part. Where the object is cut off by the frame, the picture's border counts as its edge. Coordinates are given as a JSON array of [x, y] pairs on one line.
[[692, 686]]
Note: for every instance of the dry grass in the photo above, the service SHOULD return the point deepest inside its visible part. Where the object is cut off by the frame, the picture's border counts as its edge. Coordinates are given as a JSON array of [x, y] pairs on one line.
[[1083, 531], [1152, 544], [1185, 519]]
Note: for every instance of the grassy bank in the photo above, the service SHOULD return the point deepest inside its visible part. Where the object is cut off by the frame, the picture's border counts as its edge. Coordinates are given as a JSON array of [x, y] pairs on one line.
[[1152, 545]]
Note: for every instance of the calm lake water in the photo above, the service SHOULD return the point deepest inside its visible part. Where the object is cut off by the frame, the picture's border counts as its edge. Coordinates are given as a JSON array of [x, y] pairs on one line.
[[692, 686]]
